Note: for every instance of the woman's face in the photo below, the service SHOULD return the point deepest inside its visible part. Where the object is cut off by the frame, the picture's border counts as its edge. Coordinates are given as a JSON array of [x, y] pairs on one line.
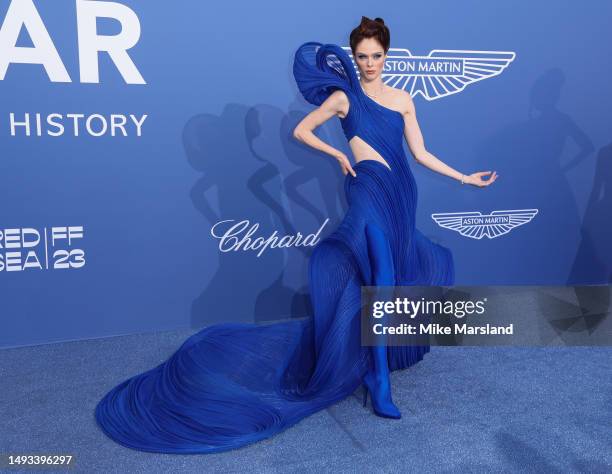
[[370, 58]]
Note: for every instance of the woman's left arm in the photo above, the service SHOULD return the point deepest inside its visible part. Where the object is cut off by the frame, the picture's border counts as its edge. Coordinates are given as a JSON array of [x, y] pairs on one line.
[[415, 141]]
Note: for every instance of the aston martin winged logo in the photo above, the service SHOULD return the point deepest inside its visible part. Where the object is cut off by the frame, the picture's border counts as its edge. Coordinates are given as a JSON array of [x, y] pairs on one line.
[[441, 73], [476, 225]]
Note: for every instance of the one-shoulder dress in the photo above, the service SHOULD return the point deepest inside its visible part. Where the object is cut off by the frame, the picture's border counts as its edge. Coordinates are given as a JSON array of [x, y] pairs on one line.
[[233, 384]]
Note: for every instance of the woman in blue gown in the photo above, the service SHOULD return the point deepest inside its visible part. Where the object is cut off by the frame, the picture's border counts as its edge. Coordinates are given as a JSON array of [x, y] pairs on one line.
[[233, 384]]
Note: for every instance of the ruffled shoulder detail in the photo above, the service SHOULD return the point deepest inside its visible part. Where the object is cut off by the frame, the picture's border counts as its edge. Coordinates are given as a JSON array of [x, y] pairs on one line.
[[319, 69]]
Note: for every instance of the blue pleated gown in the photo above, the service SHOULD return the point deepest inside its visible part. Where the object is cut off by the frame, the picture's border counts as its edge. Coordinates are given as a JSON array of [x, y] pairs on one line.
[[233, 384]]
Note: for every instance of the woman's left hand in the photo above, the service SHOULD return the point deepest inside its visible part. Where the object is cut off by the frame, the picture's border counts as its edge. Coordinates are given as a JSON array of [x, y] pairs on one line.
[[475, 178]]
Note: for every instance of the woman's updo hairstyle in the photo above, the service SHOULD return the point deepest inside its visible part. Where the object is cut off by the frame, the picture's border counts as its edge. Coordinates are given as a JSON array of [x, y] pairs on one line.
[[369, 28]]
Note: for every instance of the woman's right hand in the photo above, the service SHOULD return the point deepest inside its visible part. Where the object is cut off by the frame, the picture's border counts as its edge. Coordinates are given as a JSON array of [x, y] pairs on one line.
[[345, 165]]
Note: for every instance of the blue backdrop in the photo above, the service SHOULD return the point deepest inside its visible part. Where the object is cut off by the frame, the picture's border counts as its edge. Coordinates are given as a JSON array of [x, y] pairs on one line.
[[121, 169]]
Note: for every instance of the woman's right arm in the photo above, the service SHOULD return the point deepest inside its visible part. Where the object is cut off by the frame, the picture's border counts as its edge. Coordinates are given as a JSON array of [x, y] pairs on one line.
[[336, 104]]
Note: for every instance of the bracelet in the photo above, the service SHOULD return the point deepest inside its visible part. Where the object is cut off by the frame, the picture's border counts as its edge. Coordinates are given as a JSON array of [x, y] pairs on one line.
[[462, 176]]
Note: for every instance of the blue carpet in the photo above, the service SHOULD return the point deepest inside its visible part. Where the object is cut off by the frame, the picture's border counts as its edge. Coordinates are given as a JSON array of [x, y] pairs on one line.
[[465, 409]]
